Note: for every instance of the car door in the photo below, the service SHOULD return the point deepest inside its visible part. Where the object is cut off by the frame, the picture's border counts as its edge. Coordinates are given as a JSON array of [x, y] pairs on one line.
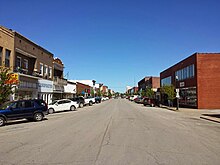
[[60, 105], [28, 108], [67, 104], [15, 110]]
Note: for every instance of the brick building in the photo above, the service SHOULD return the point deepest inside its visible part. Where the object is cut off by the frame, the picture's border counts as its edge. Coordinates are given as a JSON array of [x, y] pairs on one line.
[[149, 82], [198, 79], [83, 89], [35, 66]]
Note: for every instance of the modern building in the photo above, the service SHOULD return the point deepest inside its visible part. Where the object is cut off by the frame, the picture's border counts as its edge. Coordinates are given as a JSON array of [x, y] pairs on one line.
[[198, 80]]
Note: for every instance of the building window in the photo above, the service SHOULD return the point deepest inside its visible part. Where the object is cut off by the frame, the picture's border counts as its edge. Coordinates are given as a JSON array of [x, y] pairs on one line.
[[18, 62], [1, 55], [185, 73], [45, 70], [166, 81], [7, 58], [26, 64], [49, 72], [41, 69]]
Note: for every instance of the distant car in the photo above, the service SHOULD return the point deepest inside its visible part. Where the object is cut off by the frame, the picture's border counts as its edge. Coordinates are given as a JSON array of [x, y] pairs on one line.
[[35, 109], [149, 101], [98, 99], [80, 100], [105, 98], [62, 105]]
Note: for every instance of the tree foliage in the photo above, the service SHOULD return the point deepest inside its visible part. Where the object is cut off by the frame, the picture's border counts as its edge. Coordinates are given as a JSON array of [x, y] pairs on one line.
[[6, 84], [149, 93], [169, 90]]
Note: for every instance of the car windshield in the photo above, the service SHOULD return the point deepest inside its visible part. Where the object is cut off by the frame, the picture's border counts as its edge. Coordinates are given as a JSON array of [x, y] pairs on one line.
[[54, 102], [5, 105]]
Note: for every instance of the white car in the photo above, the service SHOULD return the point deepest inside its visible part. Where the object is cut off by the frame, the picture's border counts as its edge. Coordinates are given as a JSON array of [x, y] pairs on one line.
[[62, 105], [105, 98]]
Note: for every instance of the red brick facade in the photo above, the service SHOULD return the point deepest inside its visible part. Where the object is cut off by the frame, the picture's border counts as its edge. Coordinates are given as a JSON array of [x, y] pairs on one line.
[[205, 83]]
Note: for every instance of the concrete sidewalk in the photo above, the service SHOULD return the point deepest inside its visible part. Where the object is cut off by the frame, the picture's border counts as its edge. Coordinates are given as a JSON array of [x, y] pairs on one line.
[[207, 114]]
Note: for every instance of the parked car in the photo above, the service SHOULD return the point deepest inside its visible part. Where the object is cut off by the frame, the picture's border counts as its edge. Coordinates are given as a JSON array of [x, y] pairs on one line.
[[35, 109], [98, 99], [62, 105], [105, 98], [149, 101], [89, 101], [80, 100], [138, 100]]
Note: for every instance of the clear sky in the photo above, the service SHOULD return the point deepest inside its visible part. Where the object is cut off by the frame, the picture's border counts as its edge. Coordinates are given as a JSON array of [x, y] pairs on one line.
[[116, 42]]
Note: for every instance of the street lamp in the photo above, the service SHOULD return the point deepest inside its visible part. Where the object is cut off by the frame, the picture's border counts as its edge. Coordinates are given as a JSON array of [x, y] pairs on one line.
[[177, 94], [93, 81]]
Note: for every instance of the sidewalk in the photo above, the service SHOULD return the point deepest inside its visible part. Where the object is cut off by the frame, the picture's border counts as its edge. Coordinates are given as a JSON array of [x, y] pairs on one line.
[[211, 115]]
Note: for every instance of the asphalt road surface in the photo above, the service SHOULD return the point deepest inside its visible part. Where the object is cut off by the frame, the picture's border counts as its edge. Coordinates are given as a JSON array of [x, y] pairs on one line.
[[115, 132]]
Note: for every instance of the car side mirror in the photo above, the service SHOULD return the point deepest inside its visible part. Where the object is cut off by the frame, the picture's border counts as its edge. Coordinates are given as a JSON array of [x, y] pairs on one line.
[[56, 104]]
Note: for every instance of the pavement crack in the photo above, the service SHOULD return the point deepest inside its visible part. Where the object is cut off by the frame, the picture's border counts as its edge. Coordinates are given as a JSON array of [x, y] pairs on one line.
[[103, 138]]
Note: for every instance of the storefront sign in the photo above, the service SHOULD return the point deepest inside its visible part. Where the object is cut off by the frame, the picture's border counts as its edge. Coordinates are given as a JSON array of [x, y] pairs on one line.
[[13, 79], [45, 85]]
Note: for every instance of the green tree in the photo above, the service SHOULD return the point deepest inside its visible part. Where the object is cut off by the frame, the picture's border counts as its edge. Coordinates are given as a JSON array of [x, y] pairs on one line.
[[99, 93], [169, 90], [149, 93], [143, 93], [6, 84]]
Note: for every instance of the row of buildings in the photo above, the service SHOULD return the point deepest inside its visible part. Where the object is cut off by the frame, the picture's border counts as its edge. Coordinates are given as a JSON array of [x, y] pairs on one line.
[[197, 79], [39, 73]]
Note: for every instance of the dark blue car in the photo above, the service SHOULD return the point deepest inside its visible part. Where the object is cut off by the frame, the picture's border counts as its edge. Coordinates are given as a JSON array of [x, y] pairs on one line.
[[23, 109]]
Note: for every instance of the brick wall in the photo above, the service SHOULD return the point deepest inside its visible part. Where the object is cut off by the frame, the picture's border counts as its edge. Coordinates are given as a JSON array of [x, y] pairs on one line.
[[208, 75]]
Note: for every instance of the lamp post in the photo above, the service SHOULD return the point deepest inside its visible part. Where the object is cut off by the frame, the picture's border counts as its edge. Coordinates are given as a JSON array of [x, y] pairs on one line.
[[177, 94], [93, 81]]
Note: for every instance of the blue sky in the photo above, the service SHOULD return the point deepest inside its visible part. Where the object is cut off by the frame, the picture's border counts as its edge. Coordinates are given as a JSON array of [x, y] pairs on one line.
[[117, 42]]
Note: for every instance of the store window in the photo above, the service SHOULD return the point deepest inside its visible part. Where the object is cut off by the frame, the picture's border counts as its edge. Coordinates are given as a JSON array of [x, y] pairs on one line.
[[188, 96], [7, 58]]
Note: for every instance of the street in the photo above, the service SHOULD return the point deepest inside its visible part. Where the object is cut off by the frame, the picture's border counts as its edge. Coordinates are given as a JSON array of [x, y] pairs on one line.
[[115, 132]]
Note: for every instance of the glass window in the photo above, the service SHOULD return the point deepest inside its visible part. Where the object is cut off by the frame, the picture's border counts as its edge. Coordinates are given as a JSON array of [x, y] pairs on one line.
[[166, 81], [50, 72], [7, 58], [45, 70], [18, 61], [1, 55], [185, 73], [25, 64], [41, 69]]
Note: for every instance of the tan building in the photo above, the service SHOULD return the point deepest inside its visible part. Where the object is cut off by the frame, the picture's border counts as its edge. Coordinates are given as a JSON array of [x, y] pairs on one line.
[[33, 64]]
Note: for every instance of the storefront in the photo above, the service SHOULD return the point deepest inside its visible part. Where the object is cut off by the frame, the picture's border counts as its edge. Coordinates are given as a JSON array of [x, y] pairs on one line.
[[45, 90], [27, 87], [70, 90]]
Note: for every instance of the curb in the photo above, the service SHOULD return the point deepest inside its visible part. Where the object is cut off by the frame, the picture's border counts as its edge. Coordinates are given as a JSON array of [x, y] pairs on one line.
[[214, 119]]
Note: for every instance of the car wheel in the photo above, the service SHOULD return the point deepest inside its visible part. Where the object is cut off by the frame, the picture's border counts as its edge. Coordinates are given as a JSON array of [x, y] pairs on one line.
[[90, 103], [72, 108], [38, 117], [2, 121], [50, 110], [80, 105]]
